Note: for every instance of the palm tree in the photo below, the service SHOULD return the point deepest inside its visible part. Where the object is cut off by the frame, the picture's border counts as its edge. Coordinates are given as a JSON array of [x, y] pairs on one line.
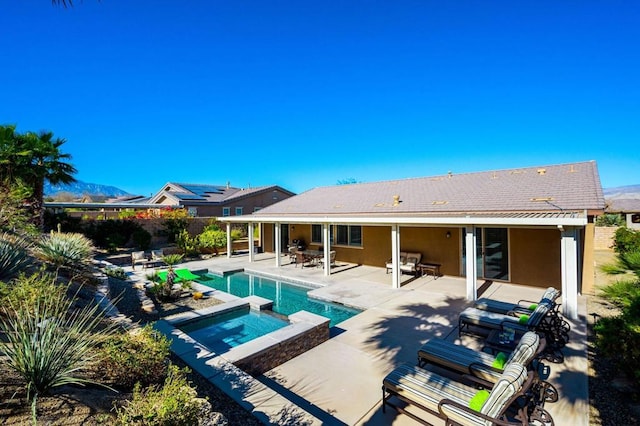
[[33, 158]]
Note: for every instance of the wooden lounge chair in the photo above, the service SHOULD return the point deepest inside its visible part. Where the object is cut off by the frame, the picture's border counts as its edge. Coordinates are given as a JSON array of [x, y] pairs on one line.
[[457, 403]]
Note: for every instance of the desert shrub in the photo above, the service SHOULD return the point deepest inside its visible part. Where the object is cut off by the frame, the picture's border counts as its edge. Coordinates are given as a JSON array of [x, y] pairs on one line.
[[175, 222], [236, 234], [626, 240], [49, 342], [211, 239], [186, 243], [175, 403], [116, 272], [72, 252], [112, 233], [141, 238], [62, 222], [610, 219], [138, 356], [622, 293], [33, 290], [14, 255]]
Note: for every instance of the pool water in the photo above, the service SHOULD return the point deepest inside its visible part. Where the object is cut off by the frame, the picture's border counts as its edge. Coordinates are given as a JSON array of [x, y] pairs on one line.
[[221, 332], [287, 298]]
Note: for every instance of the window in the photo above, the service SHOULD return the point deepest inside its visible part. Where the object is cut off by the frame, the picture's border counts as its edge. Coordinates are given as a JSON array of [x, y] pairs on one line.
[[342, 235], [226, 211], [316, 234], [635, 218], [238, 211], [192, 211]]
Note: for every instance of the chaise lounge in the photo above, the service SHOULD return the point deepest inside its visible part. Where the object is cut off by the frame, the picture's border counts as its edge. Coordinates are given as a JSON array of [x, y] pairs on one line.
[[460, 404], [550, 295]]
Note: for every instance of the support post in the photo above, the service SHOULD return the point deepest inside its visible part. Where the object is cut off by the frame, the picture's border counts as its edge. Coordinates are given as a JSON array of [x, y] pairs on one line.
[[276, 236], [395, 256], [229, 244], [327, 249], [471, 266], [569, 253], [251, 245]]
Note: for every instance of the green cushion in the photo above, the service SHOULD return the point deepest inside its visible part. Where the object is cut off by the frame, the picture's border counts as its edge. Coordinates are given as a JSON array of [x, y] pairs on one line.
[[477, 401], [501, 359], [186, 274], [523, 319], [533, 306]]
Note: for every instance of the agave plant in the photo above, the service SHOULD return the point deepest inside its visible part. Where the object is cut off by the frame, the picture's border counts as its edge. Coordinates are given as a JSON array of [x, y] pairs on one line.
[[66, 251], [49, 342], [14, 255]]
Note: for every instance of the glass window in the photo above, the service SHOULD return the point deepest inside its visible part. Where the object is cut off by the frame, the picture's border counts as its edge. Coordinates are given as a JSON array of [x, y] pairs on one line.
[[316, 233], [192, 211], [226, 211], [635, 218], [355, 236], [238, 211], [342, 235]]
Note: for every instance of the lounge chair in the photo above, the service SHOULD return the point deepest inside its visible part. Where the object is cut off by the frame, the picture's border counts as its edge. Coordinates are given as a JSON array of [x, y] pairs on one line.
[[550, 295], [457, 403], [482, 322], [487, 367]]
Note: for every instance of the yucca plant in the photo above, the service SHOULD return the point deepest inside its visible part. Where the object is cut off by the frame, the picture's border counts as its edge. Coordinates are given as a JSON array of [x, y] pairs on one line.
[[14, 255], [49, 342], [66, 251]]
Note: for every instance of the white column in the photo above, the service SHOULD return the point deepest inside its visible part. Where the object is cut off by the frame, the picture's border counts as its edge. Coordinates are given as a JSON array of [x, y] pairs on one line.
[[471, 266], [327, 248], [569, 254], [229, 245], [395, 256], [250, 231], [276, 236]]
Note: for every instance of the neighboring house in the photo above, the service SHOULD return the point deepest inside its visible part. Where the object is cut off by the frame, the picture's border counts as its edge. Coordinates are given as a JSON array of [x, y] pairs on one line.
[[531, 226], [217, 200], [629, 209]]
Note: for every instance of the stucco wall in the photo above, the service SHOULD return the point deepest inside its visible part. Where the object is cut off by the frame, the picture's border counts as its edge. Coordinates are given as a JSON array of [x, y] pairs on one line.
[[535, 257]]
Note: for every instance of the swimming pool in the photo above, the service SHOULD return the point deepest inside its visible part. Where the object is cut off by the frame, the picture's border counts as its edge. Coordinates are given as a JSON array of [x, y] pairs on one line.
[[224, 331], [287, 297]]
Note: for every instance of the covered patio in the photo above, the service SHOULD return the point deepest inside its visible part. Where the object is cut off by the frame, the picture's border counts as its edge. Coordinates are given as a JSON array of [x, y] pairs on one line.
[[339, 381]]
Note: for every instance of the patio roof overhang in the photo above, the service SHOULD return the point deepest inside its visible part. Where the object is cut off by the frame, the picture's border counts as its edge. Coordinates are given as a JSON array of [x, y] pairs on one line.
[[551, 219]]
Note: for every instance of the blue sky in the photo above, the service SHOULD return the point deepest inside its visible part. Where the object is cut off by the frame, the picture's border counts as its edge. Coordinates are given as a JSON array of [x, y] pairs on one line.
[[307, 93]]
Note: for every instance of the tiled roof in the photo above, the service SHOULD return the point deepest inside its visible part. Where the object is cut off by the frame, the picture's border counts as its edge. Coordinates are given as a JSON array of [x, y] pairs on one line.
[[628, 205], [202, 193], [555, 188]]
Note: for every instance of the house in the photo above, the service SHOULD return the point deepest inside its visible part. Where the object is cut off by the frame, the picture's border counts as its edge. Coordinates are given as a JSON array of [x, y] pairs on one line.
[[218, 200], [532, 226], [628, 208]]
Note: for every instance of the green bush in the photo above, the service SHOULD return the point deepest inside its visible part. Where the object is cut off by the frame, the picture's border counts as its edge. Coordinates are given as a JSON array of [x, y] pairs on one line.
[[236, 234], [610, 219], [619, 339], [174, 404], [141, 238], [111, 233], [186, 243], [138, 356], [212, 239], [33, 290], [626, 240], [622, 293], [72, 252], [14, 255], [116, 272]]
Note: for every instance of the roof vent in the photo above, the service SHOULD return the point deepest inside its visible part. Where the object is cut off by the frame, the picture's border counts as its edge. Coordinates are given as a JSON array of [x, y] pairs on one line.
[[544, 199], [439, 203], [396, 200], [572, 169], [450, 174], [542, 172]]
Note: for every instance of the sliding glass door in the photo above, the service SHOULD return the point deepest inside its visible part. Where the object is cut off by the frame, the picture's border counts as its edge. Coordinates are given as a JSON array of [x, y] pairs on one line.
[[492, 249]]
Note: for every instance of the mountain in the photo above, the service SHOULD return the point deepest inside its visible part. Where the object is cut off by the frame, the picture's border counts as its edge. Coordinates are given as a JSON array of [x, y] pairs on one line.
[[622, 192], [79, 188]]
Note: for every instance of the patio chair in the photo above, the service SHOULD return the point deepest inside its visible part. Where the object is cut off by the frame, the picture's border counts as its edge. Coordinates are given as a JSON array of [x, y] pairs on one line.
[[292, 254], [487, 368], [332, 259], [460, 404], [138, 258], [157, 257], [408, 262]]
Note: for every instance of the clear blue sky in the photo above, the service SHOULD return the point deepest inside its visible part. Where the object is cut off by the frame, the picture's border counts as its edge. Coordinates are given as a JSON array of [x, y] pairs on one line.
[[306, 93]]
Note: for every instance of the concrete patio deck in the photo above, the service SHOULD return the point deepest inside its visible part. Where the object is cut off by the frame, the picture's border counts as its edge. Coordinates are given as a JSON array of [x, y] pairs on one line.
[[339, 381]]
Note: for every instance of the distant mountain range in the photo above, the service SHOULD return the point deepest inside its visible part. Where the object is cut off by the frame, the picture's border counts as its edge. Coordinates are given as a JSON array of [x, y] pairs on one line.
[[622, 192], [79, 189]]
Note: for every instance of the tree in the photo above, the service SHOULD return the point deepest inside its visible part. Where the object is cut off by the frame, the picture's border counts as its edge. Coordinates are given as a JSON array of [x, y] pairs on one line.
[[33, 158]]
